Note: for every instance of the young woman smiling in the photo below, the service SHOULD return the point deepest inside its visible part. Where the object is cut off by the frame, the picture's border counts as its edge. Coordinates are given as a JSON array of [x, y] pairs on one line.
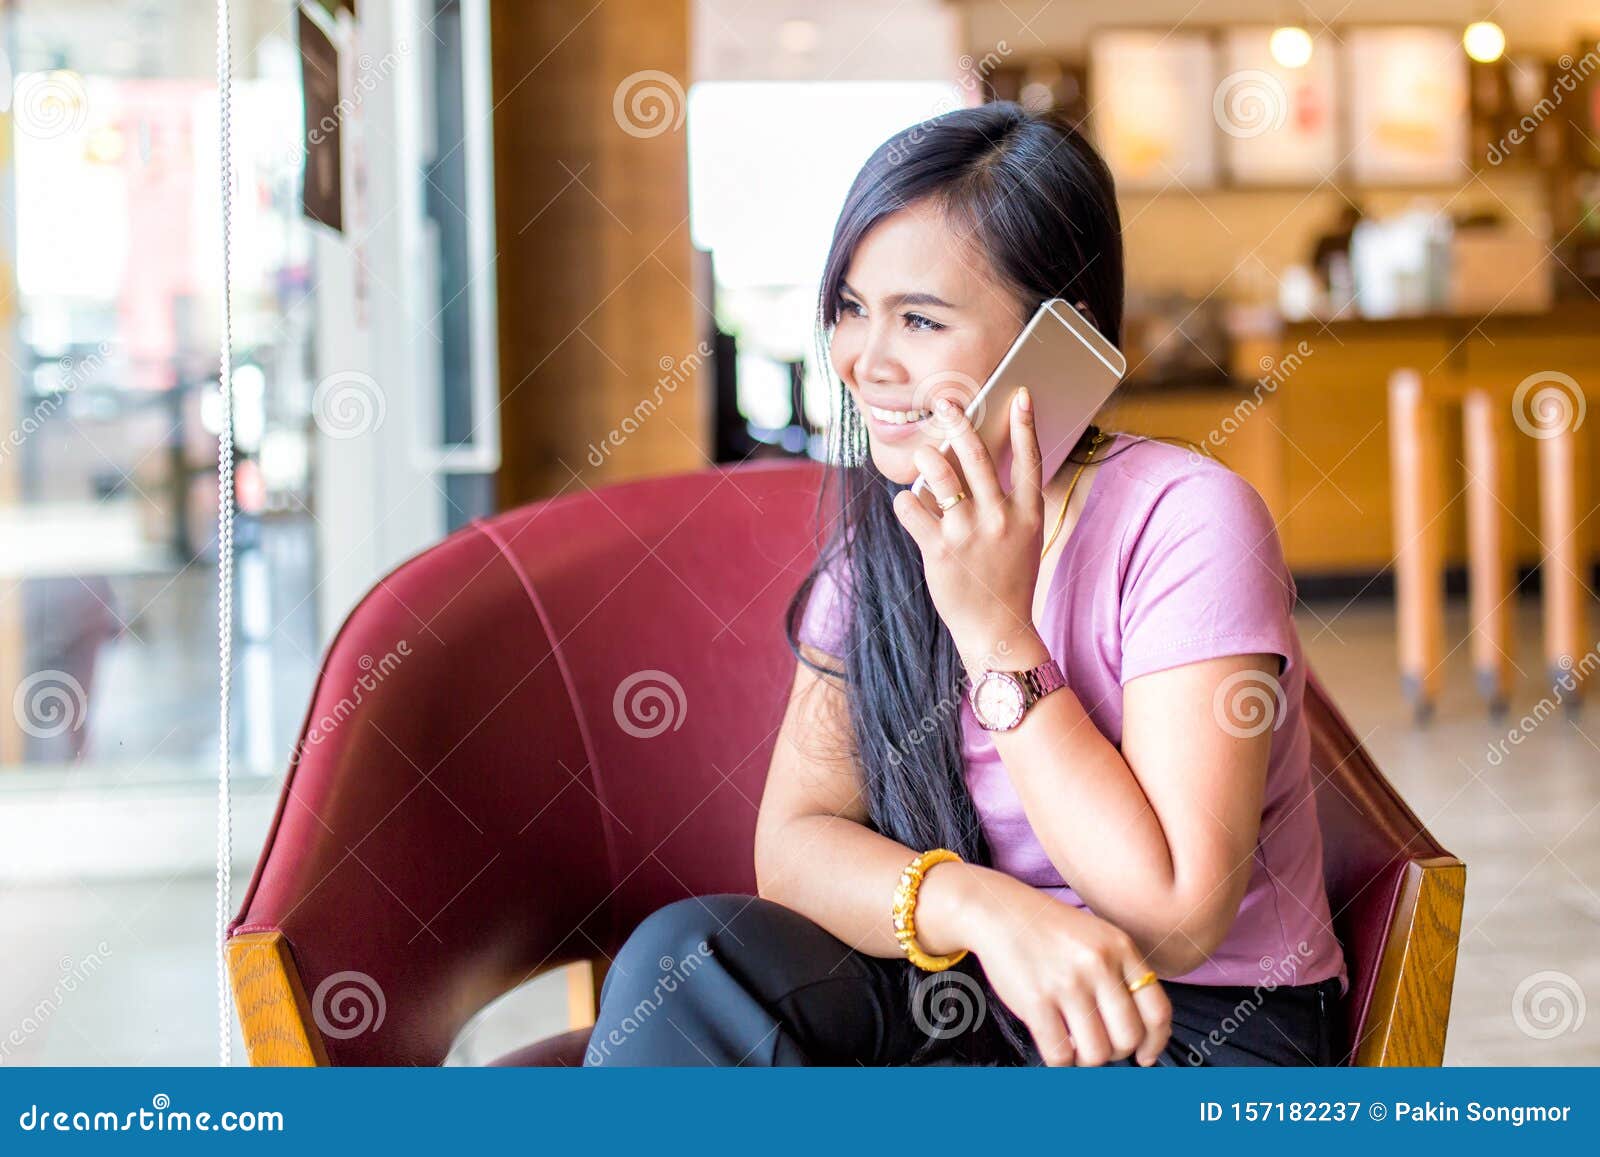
[[1139, 806]]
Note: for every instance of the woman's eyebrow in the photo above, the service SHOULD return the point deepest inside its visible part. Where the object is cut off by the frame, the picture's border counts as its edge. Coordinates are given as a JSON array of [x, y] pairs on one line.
[[894, 300]]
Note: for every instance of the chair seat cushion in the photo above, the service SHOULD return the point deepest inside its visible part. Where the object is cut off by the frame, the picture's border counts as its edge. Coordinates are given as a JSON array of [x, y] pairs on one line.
[[564, 1049]]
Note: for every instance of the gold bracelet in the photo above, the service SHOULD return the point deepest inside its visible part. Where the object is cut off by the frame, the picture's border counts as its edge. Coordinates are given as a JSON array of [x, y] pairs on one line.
[[905, 907]]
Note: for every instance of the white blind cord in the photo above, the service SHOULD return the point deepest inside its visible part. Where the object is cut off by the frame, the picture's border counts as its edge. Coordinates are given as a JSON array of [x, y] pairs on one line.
[[224, 547]]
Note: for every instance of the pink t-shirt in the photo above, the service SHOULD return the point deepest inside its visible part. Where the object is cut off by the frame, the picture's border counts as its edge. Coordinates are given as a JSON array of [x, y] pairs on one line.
[[1174, 559]]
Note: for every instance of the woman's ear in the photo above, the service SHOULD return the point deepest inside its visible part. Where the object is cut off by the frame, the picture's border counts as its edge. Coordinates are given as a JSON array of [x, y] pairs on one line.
[[1083, 308]]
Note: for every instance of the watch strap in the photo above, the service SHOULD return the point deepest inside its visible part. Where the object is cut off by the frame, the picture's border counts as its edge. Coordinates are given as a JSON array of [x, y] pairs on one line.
[[1039, 681]]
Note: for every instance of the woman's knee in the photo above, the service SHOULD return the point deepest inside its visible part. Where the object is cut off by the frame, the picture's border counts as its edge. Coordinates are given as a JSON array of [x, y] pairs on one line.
[[676, 937]]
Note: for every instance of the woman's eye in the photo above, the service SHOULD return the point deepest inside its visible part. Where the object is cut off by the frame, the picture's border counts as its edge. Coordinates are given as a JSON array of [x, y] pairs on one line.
[[917, 321], [851, 308]]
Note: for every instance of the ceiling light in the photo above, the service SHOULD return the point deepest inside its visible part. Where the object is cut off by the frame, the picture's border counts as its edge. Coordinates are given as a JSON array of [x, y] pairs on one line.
[[1291, 46], [1484, 41]]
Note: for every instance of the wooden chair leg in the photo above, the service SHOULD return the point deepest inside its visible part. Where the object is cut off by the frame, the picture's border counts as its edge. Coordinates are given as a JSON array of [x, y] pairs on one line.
[[1415, 493], [1487, 442], [1563, 561], [275, 1014]]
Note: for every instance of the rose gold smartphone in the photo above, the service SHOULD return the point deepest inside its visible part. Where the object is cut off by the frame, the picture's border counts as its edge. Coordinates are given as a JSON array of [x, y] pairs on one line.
[[1069, 368]]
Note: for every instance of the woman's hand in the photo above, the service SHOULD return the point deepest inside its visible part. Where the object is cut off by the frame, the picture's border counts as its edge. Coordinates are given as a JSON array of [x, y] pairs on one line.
[[980, 557], [1064, 971]]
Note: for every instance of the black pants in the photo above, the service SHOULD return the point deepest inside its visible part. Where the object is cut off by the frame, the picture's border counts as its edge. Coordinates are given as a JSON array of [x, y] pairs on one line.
[[732, 979]]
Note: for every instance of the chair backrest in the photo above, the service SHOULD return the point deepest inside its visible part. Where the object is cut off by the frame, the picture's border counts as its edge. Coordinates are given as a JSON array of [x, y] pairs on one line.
[[1395, 894], [529, 737]]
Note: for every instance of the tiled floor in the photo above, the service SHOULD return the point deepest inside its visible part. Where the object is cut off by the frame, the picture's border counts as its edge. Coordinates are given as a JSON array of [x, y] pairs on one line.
[[1526, 828], [1525, 823]]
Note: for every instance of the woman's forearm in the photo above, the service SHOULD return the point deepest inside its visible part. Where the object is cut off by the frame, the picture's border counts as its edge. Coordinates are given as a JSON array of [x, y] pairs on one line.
[[1092, 818], [843, 875]]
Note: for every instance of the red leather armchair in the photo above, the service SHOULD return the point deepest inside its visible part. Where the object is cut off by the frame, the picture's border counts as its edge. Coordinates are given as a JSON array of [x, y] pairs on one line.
[[529, 737]]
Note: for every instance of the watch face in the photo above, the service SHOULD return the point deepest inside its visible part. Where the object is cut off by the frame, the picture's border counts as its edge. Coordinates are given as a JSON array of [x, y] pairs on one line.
[[997, 700]]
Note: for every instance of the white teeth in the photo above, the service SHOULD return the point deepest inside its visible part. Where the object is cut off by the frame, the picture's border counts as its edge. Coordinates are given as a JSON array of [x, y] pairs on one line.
[[899, 416]]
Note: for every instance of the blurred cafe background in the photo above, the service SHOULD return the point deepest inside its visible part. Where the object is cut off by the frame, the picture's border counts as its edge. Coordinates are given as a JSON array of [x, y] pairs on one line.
[[487, 252]]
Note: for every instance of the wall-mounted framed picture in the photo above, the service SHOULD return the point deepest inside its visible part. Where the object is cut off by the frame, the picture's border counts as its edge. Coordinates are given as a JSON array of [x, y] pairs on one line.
[[1151, 92], [1280, 125], [1408, 102]]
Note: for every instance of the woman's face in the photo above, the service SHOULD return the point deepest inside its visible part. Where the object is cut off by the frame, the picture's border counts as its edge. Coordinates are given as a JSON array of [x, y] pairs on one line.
[[921, 316]]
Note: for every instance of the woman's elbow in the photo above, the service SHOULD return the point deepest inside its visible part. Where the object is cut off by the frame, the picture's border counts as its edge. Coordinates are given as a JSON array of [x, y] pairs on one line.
[[768, 856], [784, 846], [1191, 940], [766, 887], [1183, 951]]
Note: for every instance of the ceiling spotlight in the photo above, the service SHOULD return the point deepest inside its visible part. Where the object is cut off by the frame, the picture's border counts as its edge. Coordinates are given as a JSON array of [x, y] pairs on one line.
[[1291, 46], [1484, 41]]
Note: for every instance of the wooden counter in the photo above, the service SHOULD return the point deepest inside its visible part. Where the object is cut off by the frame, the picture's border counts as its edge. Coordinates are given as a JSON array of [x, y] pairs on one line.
[[1305, 420]]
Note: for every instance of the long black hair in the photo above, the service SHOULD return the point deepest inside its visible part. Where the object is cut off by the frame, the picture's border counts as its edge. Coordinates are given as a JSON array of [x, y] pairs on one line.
[[1030, 193]]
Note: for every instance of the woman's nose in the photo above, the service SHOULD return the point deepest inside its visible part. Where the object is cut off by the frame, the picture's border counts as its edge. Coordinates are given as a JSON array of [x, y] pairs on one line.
[[877, 361]]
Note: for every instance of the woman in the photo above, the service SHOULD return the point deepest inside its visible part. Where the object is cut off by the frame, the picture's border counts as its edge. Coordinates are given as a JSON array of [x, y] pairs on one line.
[[1152, 818]]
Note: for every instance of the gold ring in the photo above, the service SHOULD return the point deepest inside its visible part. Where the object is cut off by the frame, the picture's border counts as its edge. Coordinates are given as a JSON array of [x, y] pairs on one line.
[[1147, 978], [947, 503]]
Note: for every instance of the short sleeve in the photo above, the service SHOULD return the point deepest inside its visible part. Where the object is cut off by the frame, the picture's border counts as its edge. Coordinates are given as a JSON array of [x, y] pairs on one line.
[[823, 623], [1204, 577]]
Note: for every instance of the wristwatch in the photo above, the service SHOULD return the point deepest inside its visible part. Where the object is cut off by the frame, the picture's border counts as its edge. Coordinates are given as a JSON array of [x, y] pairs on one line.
[[1001, 698]]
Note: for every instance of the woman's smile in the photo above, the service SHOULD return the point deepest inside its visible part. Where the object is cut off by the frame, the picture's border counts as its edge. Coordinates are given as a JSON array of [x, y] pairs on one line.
[[896, 425]]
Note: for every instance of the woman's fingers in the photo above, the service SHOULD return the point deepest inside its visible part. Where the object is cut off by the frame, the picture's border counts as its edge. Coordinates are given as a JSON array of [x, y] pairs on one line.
[[1125, 1027], [922, 525], [1088, 1030], [1027, 461], [976, 462], [1155, 1009], [944, 481], [1050, 1035]]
